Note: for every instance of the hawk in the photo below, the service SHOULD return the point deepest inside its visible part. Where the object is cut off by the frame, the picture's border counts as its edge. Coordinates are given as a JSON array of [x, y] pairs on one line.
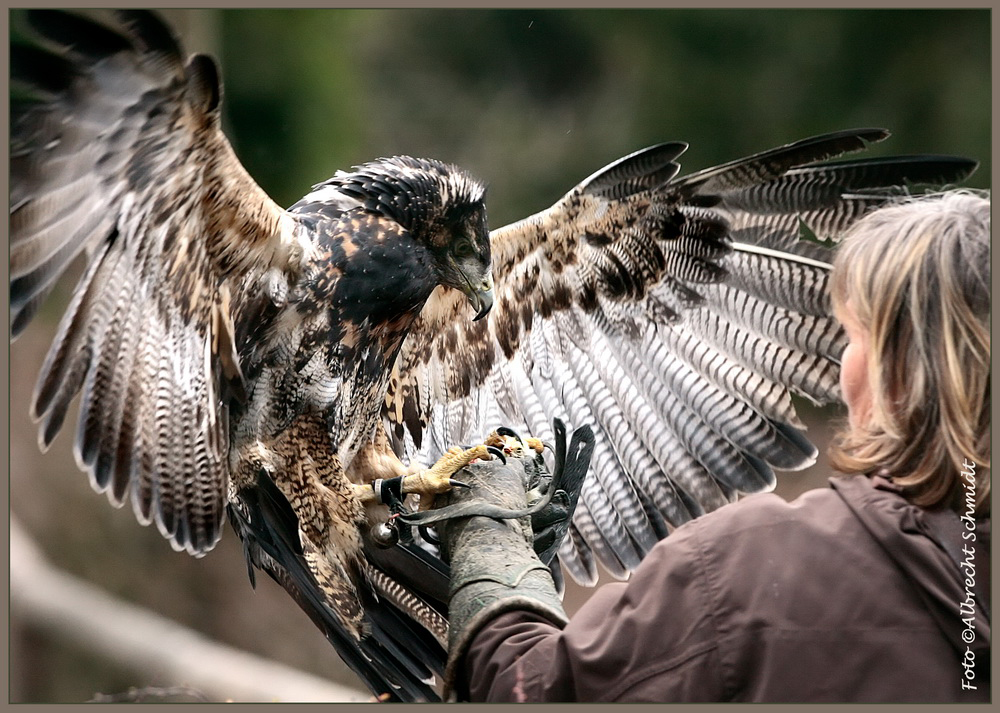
[[238, 360]]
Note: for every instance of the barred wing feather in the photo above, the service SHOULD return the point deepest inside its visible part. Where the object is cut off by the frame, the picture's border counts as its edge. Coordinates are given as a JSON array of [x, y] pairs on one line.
[[674, 315], [116, 153]]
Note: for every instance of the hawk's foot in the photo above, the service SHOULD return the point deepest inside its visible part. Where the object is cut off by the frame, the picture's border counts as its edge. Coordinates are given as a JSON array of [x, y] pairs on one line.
[[426, 482], [437, 479]]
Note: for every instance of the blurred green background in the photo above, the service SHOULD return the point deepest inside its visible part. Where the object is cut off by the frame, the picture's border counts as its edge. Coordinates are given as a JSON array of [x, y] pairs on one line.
[[531, 101], [534, 100]]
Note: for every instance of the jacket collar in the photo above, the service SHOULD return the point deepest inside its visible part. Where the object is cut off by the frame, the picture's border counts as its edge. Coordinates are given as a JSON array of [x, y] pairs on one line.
[[902, 530]]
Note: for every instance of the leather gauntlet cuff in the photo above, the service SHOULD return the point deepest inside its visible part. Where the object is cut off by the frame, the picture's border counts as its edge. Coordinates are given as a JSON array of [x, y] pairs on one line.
[[494, 568], [497, 572]]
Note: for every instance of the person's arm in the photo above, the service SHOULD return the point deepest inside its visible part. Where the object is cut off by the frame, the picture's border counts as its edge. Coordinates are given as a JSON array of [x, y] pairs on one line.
[[649, 639], [494, 568]]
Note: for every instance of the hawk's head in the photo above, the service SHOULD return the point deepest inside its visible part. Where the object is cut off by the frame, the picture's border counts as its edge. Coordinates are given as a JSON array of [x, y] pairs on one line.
[[442, 207]]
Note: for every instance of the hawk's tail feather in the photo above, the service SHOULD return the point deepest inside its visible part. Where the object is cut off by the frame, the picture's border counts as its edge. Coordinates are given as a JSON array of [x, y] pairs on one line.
[[395, 660], [402, 560], [416, 650]]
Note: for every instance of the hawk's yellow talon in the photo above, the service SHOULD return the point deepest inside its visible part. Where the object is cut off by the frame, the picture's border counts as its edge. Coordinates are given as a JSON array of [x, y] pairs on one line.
[[437, 478], [428, 482]]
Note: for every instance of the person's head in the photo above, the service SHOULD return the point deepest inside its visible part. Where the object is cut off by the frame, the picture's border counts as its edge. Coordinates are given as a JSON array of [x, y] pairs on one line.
[[911, 284]]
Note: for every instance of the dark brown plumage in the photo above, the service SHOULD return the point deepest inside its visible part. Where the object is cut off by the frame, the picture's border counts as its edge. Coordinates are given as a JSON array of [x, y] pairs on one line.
[[236, 358]]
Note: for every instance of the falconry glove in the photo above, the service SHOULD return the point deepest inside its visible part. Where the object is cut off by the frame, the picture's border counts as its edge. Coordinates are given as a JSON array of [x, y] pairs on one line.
[[550, 523], [494, 564]]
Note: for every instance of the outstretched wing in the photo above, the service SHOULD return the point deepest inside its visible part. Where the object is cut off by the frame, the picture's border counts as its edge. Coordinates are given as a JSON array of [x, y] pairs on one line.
[[676, 316], [117, 153]]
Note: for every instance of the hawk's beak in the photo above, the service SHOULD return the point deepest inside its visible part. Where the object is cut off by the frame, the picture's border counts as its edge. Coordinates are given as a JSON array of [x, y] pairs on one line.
[[480, 296]]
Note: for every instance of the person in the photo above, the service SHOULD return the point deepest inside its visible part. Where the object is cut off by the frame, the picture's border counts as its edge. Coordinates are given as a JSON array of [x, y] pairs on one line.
[[874, 589]]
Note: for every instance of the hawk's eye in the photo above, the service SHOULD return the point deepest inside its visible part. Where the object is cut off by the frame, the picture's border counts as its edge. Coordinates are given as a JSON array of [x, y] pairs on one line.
[[463, 249]]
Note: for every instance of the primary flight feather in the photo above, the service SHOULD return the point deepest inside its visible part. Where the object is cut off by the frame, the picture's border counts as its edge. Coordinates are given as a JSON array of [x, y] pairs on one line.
[[237, 359]]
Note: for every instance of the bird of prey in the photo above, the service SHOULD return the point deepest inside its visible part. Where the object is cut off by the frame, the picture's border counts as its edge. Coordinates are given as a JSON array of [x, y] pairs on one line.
[[279, 366]]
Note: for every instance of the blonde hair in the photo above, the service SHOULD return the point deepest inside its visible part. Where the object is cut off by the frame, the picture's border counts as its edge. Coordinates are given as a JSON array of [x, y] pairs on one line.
[[916, 276]]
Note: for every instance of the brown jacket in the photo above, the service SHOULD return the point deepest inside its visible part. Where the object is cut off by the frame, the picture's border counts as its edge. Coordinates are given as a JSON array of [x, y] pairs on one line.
[[837, 596]]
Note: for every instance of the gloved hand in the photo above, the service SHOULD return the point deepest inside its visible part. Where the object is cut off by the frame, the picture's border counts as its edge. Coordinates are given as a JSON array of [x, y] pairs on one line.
[[550, 523], [494, 565]]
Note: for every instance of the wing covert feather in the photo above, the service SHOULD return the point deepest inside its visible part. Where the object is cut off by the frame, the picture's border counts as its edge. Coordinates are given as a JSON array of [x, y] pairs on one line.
[[675, 316]]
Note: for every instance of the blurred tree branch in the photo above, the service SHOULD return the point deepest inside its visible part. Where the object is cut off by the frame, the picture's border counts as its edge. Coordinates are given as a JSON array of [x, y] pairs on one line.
[[140, 640]]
